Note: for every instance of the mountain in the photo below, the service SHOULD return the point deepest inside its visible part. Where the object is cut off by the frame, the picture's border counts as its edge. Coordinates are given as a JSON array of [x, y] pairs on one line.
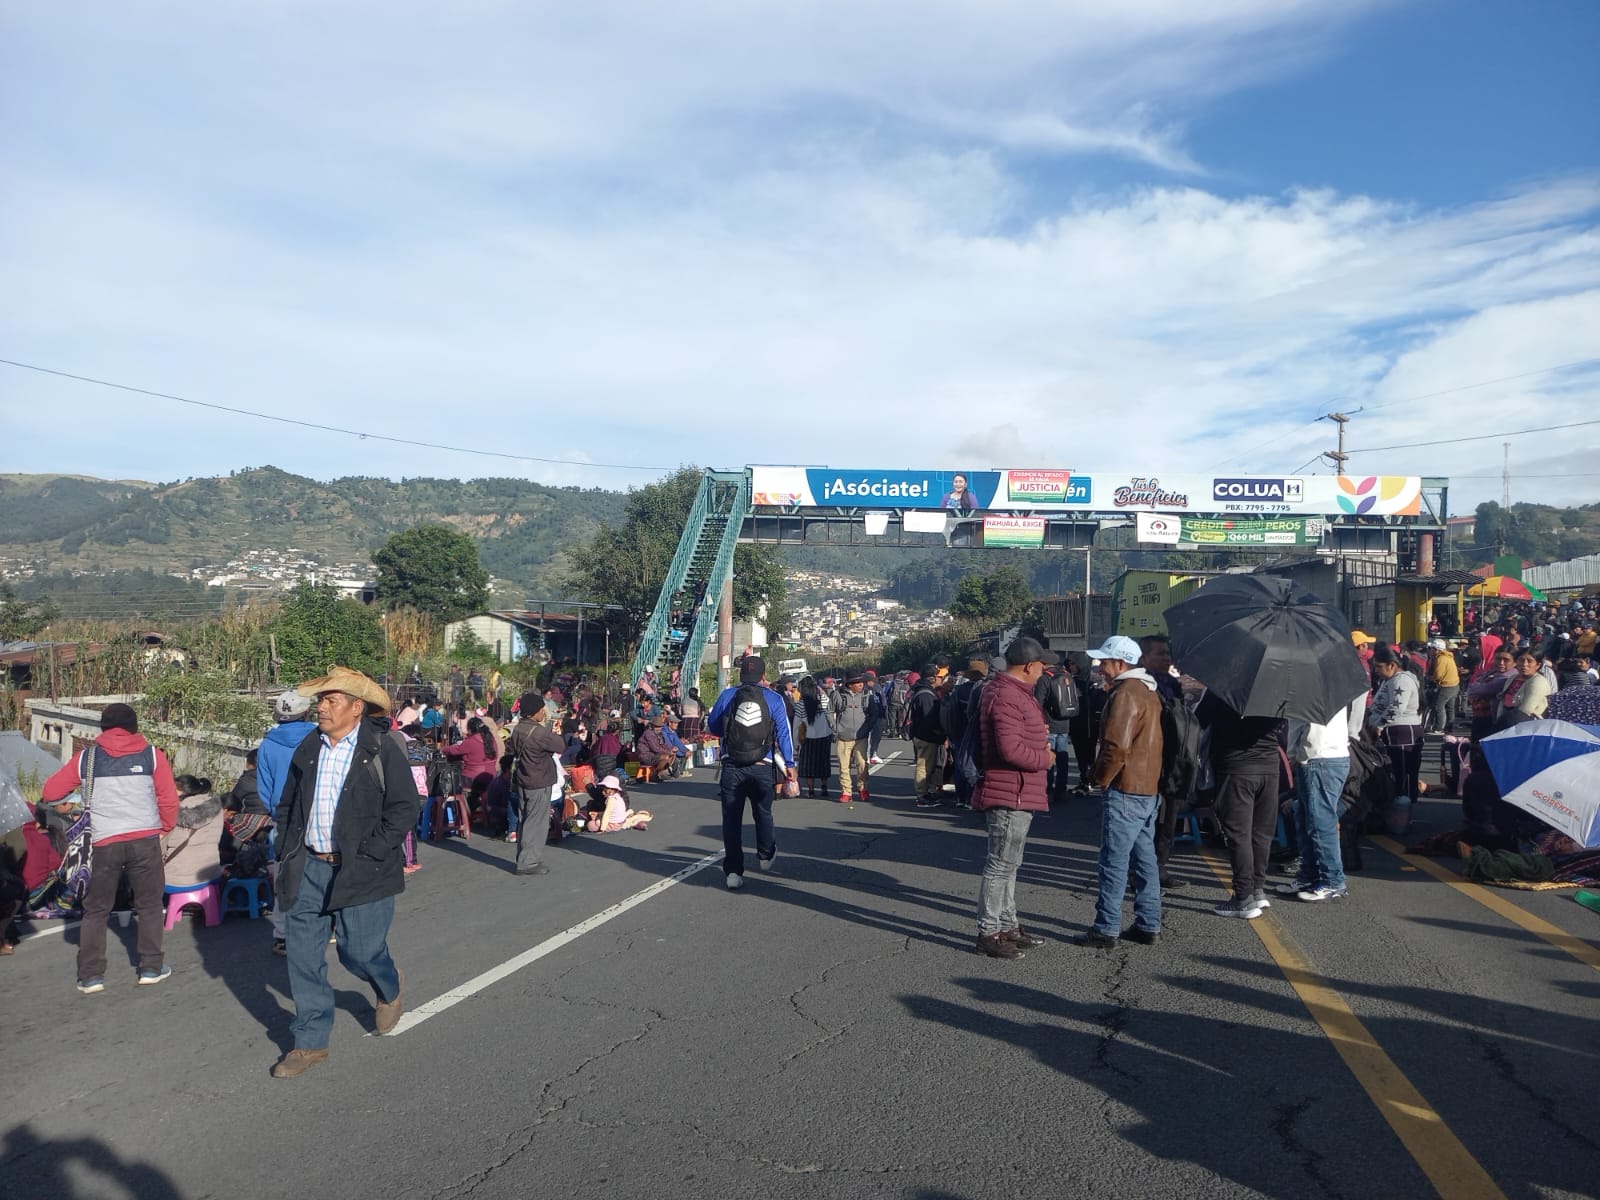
[[62, 523]]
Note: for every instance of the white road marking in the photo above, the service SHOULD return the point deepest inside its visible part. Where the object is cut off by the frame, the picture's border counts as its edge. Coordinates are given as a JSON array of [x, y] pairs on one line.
[[48, 928], [512, 965]]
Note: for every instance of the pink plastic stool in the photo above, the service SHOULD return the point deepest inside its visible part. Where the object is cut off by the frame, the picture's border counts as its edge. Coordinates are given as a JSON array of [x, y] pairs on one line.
[[208, 896]]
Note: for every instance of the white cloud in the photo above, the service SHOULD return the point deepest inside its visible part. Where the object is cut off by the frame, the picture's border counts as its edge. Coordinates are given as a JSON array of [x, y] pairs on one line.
[[717, 233]]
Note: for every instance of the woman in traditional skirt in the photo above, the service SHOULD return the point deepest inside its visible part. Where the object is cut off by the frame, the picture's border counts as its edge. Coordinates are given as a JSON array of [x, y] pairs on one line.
[[816, 739], [692, 716]]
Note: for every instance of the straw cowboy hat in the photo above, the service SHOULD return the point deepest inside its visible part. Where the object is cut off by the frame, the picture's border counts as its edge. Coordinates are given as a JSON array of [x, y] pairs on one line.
[[351, 683]]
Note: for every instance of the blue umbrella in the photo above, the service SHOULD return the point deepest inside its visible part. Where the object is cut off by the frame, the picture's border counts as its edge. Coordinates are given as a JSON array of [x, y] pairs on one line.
[[1552, 770]]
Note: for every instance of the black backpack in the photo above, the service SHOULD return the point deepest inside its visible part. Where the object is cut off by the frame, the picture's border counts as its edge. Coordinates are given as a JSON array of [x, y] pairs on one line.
[[1060, 695], [953, 711], [1180, 749], [748, 730]]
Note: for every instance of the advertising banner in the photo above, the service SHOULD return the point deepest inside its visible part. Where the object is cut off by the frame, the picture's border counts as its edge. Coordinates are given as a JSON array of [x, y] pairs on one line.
[[1064, 491], [1013, 531], [954, 491], [1267, 495], [1191, 532], [1140, 599]]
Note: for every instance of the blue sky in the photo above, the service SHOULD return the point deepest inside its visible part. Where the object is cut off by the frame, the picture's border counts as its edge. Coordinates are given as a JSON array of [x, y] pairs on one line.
[[1115, 237]]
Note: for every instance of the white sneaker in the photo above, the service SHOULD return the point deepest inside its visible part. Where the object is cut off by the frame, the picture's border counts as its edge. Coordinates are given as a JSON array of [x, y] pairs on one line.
[[765, 864], [735, 882], [1314, 894], [1246, 908], [875, 761]]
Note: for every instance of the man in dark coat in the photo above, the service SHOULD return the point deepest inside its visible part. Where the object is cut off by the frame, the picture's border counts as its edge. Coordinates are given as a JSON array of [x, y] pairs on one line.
[[1015, 759], [348, 802], [537, 746]]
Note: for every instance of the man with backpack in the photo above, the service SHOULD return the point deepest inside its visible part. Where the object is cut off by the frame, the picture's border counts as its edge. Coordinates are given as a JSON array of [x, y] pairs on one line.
[[1057, 695], [1180, 748], [753, 723], [1128, 767], [348, 802]]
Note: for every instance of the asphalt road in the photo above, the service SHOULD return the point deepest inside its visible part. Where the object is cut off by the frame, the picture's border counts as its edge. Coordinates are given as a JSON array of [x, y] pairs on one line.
[[830, 1032]]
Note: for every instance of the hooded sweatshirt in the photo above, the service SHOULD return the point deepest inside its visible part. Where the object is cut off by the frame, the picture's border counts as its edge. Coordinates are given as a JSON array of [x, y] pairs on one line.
[[272, 759], [133, 794]]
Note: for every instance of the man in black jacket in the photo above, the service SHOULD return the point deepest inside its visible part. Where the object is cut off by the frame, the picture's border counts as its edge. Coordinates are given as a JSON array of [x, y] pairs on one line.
[[927, 735], [534, 743], [348, 802]]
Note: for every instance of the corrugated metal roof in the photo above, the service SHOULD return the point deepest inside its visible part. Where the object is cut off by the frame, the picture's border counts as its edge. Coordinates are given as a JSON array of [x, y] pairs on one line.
[[1573, 573]]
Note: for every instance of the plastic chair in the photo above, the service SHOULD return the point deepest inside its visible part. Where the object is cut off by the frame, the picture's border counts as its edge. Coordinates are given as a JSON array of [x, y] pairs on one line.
[[449, 817], [245, 895], [207, 895], [1188, 829]]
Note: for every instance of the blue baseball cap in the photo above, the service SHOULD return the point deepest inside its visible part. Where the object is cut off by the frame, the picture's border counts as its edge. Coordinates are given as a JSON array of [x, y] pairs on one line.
[[1124, 648]]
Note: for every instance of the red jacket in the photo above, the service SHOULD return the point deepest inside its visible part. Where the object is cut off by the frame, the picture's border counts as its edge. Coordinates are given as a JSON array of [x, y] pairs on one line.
[[1016, 747], [120, 742]]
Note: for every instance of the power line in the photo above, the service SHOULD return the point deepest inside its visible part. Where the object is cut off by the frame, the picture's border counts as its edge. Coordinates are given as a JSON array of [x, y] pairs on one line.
[[1477, 437], [1465, 387], [355, 433]]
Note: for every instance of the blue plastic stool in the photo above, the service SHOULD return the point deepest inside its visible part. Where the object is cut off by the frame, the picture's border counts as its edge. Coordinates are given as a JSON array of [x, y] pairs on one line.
[[244, 895], [425, 820], [1188, 829]]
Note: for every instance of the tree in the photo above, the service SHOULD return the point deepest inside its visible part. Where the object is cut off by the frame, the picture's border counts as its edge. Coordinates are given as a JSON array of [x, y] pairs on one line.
[[627, 565], [22, 620], [433, 569], [1001, 597], [318, 628]]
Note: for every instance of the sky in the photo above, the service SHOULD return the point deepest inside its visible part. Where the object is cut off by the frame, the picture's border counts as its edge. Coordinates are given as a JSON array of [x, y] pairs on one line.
[[599, 241]]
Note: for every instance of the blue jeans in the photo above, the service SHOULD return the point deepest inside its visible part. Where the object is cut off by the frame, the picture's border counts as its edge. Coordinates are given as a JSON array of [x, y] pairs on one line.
[[363, 931], [738, 784], [513, 812], [1060, 765], [1317, 786], [1128, 833], [997, 894]]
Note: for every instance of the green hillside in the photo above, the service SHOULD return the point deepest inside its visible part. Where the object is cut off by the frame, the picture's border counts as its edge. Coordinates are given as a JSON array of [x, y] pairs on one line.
[[69, 524]]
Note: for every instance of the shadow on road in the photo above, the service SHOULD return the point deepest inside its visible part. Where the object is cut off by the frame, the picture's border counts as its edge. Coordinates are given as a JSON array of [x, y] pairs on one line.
[[76, 1169]]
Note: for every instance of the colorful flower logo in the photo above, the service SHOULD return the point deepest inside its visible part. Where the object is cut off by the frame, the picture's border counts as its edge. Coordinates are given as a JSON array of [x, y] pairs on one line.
[[1361, 494]]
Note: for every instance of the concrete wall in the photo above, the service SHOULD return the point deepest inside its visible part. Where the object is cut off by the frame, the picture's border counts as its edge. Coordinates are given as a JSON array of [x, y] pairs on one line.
[[63, 727]]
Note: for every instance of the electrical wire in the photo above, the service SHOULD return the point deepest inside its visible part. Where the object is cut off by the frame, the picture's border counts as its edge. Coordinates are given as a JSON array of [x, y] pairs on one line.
[[1465, 387], [355, 433], [1477, 437]]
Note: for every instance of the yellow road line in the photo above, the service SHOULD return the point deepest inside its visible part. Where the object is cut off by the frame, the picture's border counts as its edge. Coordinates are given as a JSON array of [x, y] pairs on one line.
[[1449, 1166], [1585, 952]]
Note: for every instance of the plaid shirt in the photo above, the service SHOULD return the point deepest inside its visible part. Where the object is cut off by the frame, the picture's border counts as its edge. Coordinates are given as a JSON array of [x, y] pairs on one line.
[[333, 764]]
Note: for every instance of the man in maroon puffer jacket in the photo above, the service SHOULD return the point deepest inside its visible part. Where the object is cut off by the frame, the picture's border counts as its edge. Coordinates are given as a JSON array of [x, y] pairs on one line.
[[1015, 760]]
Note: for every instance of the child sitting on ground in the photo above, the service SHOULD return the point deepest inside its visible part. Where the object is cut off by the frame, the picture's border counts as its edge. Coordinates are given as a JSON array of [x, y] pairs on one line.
[[617, 815]]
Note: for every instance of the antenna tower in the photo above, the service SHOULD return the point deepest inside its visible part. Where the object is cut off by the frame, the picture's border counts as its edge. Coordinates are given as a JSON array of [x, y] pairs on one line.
[[1505, 477]]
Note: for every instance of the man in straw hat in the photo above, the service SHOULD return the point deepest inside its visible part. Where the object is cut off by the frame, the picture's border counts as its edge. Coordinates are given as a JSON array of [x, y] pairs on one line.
[[348, 802]]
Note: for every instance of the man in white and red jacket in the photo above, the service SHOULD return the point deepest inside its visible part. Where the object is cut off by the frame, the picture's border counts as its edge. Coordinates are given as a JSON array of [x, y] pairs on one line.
[[1014, 761], [132, 803]]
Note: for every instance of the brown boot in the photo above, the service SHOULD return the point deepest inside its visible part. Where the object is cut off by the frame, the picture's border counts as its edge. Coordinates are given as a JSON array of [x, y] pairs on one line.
[[298, 1062], [389, 1010], [997, 945]]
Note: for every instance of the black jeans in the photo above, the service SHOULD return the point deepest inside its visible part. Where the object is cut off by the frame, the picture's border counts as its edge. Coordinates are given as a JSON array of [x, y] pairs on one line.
[[140, 861], [1166, 829], [738, 784], [1405, 764], [1247, 809]]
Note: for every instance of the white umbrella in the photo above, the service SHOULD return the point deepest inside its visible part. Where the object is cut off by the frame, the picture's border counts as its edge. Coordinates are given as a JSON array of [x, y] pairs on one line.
[[1552, 770]]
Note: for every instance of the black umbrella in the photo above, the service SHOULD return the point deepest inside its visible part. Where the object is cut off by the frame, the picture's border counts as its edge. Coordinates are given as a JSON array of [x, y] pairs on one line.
[[1267, 649]]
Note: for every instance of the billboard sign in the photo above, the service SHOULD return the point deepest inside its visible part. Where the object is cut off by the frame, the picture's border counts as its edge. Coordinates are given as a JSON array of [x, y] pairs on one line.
[[1056, 492], [1189, 532], [952, 491], [1013, 531]]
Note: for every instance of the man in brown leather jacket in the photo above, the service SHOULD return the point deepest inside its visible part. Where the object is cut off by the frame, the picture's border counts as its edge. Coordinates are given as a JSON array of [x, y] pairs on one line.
[[1129, 769]]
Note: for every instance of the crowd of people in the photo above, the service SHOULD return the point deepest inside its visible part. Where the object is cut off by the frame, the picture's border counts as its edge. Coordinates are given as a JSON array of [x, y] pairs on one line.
[[334, 801]]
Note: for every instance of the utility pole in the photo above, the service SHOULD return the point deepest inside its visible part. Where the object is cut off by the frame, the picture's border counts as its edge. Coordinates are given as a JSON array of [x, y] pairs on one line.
[[1337, 457]]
